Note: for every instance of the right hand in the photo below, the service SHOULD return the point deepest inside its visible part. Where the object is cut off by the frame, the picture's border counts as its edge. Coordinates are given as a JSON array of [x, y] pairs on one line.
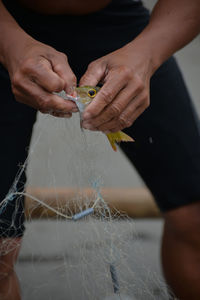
[[36, 71]]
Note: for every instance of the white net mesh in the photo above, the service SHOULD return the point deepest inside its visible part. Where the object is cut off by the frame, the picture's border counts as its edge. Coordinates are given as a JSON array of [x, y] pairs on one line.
[[93, 253]]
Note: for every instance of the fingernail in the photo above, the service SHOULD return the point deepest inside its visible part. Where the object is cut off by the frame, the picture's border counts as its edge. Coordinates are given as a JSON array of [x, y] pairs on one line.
[[86, 116]]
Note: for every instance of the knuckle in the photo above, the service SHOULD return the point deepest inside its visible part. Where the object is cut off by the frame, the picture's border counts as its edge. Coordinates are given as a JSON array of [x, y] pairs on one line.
[[56, 106], [139, 84], [56, 86], [58, 67], [122, 121], [43, 104], [28, 66], [16, 81], [145, 101], [63, 55], [92, 65], [17, 95], [127, 71], [128, 123], [145, 96], [106, 96], [95, 67], [115, 110]]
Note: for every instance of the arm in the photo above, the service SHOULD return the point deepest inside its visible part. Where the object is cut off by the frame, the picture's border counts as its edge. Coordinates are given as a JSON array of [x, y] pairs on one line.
[[126, 72], [36, 70], [173, 24]]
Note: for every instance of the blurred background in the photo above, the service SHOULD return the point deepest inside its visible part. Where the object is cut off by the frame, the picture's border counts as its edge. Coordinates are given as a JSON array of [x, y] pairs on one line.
[[120, 172], [116, 172]]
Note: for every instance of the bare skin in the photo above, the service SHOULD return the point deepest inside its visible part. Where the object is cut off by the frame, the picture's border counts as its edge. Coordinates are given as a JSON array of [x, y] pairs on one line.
[[9, 286], [126, 72], [181, 251], [37, 70]]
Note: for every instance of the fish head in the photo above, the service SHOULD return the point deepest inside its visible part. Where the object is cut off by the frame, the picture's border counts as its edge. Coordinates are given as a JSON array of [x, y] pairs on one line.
[[85, 95]]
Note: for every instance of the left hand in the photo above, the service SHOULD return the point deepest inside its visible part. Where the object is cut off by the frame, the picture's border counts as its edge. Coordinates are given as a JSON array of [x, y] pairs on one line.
[[125, 74]]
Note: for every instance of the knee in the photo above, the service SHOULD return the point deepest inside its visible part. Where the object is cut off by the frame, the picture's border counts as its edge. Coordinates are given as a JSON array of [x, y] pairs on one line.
[[6, 273], [183, 224], [6, 267], [9, 249]]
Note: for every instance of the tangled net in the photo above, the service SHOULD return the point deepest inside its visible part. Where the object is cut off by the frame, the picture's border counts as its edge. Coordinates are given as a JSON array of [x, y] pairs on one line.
[[94, 251]]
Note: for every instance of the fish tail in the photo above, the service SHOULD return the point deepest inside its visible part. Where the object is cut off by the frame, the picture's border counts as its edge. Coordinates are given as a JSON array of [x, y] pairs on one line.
[[111, 140], [118, 137]]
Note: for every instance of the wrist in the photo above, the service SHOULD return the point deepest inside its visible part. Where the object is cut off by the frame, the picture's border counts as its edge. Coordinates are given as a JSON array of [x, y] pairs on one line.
[[143, 55], [15, 48], [12, 38], [154, 47]]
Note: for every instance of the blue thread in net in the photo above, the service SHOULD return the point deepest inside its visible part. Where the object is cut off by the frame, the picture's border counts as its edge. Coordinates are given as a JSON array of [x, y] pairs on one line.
[[83, 214], [10, 197]]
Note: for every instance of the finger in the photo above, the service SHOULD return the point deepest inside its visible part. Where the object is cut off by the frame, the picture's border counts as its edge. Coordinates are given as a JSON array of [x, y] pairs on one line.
[[61, 115], [56, 103], [128, 117], [94, 73], [32, 94], [106, 127], [61, 67], [43, 74], [105, 96], [115, 108], [120, 127], [115, 125]]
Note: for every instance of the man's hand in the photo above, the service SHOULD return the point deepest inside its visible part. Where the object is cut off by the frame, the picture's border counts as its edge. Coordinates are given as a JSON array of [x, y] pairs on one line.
[[125, 92], [126, 73], [38, 70]]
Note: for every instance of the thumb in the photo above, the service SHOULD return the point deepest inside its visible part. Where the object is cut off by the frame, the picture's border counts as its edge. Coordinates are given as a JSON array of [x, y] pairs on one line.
[[95, 73], [62, 68]]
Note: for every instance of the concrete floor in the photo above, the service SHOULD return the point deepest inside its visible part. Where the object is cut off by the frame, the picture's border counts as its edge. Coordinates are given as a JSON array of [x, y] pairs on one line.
[[49, 266]]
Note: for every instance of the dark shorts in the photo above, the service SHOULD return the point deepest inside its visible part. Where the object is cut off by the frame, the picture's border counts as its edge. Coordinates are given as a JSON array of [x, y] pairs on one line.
[[167, 148]]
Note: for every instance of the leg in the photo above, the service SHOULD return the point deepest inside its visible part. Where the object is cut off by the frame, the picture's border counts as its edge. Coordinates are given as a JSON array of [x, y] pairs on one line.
[[167, 155], [9, 286], [16, 122], [181, 251]]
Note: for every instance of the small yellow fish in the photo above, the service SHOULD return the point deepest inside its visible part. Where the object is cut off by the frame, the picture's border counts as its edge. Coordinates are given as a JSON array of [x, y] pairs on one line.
[[85, 95]]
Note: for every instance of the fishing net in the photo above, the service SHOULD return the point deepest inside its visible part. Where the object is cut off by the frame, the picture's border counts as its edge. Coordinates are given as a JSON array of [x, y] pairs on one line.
[[93, 252]]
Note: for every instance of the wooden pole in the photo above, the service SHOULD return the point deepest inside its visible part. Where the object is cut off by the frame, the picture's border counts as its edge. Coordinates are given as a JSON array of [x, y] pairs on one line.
[[135, 202]]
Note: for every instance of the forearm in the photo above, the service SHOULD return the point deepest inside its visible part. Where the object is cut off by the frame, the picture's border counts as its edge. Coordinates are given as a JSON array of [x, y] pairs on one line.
[[11, 35], [173, 24]]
